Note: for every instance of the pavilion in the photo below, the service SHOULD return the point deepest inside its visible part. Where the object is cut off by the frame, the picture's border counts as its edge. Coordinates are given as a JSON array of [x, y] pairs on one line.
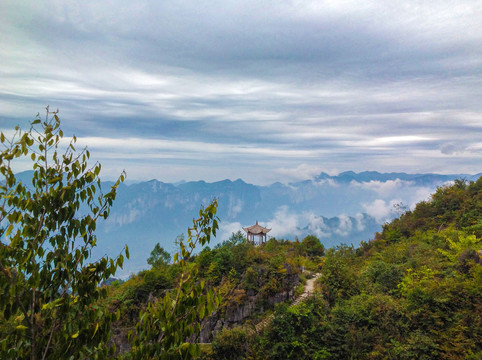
[[256, 230]]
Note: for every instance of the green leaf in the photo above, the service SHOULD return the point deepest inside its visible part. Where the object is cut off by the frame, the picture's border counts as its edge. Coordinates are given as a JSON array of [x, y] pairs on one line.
[[9, 230], [95, 331], [50, 305]]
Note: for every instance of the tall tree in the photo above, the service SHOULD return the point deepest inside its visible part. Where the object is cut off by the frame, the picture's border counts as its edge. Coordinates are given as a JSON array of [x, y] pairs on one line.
[[48, 284], [159, 257]]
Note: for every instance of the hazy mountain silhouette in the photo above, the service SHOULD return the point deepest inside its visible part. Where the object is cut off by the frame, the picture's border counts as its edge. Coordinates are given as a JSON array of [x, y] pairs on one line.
[[348, 207]]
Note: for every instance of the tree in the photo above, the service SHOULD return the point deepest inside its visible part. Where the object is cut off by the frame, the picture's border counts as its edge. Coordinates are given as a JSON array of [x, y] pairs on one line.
[[48, 286], [230, 344], [312, 246], [159, 257], [235, 239], [169, 328]]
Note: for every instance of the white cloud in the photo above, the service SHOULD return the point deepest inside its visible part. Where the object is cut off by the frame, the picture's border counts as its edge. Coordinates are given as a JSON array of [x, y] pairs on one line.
[[234, 207], [284, 223], [226, 229], [301, 172], [386, 141], [150, 147], [360, 224], [419, 194], [382, 211], [316, 225], [383, 188], [122, 219], [329, 182], [345, 225]]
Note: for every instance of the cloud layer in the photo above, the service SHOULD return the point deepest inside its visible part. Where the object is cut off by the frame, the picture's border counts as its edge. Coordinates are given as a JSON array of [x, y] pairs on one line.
[[259, 90]]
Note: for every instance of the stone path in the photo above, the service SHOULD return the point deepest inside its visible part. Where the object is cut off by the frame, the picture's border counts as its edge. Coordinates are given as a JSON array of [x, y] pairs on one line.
[[309, 287]]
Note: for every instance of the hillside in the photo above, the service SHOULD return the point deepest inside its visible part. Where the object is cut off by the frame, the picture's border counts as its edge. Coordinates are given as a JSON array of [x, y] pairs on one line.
[[250, 280], [413, 292]]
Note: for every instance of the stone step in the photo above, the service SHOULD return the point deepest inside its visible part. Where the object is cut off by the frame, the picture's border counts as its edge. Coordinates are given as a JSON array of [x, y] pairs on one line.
[[267, 321]]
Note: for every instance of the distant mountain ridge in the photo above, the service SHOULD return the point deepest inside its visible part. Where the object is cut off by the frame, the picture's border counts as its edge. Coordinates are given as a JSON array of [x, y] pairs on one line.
[[366, 176], [347, 207]]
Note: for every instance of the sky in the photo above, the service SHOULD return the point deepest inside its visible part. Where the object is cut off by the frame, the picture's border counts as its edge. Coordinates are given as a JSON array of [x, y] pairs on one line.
[[260, 90]]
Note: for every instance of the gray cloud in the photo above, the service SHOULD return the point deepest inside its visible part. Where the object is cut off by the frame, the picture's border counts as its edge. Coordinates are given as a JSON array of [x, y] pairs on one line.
[[339, 84], [451, 148]]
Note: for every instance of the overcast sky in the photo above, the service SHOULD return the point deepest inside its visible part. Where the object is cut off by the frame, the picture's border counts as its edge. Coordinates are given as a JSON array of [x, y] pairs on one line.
[[259, 90]]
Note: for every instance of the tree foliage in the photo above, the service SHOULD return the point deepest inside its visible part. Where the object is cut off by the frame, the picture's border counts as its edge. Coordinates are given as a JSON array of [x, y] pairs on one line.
[[168, 328], [412, 293], [313, 246], [159, 257], [48, 285], [230, 344]]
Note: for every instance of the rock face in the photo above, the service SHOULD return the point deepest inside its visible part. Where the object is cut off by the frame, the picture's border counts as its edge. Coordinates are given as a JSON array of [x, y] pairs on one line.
[[240, 305], [245, 305], [236, 314]]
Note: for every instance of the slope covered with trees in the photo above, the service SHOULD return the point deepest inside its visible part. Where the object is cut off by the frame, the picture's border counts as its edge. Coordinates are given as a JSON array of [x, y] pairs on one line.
[[249, 279], [414, 292]]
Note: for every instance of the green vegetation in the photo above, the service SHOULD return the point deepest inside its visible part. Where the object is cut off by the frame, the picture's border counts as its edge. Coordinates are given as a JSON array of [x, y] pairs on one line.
[[167, 324], [230, 344], [49, 290], [413, 292], [242, 274], [52, 304], [159, 257]]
